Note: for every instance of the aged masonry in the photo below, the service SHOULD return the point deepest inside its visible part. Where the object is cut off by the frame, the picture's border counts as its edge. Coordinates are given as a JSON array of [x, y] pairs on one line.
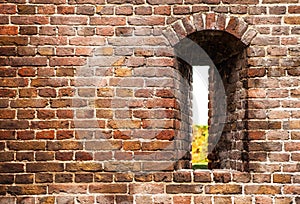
[[96, 101]]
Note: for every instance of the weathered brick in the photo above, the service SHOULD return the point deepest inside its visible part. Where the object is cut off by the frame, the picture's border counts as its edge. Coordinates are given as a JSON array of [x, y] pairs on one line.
[[292, 20], [282, 178], [14, 124], [27, 190], [8, 30], [6, 179], [68, 20], [108, 188], [44, 167], [182, 177], [262, 189], [64, 145], [11, 167], [146, 21], [184, 188], [112, 21], [64, 134], [24, 179], [6, 156], [67, 188]]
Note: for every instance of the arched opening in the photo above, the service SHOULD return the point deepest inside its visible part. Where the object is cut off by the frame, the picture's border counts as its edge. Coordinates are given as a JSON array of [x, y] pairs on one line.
[[226, 57]]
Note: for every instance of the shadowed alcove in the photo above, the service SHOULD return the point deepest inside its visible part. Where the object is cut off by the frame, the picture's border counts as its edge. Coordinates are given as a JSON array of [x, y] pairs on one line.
[[226, 56]]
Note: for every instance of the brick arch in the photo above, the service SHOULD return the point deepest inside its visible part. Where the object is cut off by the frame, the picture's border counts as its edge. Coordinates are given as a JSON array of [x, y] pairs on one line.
[[209, 21], [237, 34]]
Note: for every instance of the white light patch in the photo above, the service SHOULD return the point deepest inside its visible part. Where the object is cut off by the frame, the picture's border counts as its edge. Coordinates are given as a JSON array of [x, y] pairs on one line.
[[200, 95]]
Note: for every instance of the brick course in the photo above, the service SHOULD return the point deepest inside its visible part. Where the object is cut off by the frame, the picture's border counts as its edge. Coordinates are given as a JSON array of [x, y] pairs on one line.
[[95, 103]]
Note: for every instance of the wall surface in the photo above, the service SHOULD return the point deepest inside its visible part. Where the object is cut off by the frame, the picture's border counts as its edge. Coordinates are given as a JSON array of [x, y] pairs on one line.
[[96, 101]]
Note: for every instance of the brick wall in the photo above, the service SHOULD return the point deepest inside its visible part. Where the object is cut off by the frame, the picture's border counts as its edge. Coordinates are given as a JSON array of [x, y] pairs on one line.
[[96, 101]]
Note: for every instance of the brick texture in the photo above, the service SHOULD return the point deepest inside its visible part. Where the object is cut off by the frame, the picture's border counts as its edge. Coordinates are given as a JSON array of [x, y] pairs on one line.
[[95, 100]]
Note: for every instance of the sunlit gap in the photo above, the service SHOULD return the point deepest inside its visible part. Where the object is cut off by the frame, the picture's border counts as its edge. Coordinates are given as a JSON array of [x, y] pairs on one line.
[[200, 117]]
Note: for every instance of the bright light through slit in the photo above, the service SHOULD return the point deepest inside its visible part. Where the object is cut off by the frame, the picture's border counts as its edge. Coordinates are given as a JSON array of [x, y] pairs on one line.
[[200, 95]]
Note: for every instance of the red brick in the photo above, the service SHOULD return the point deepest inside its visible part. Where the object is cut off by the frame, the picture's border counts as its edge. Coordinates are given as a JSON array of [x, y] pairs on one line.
[[182, 177], [83, 156], [143, 10], [47, 92], [294, 9], [162, 10], [85, 41], [44, 167], [66, 31], [26, 9], [7, 135], [124, 31], [11, 167], [146, 188], [67, 188], [7, 114], [8, 93], [241, 1], [108, 188], [8, 9], [66, 9], [292, 20], [27, 190], [112, 21], [84, 178], [13, 40], [277, 10], [8, 51], [64, 145], [181, 10], [68, 20], [28, 30], [29, 103], [28, 145], [146, 20], [161, 2], [55, 82], [28, 61], [64, 156], [44, 156], [282, 178], [46, 9], [184, 188], [4, 20], [25, 114], [29, 20], [85, 10], [25, 135], [107, 198], [26, 51], [293, 189], [7, 179], [262, 189], [8, 30], [14, 124], [124, 10], [6, 157], [64, 134], [105, 10], [45, 134], [26, 72]]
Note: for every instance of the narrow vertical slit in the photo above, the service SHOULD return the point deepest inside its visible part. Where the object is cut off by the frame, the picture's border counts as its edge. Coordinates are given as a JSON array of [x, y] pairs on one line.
[[200, 117]]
